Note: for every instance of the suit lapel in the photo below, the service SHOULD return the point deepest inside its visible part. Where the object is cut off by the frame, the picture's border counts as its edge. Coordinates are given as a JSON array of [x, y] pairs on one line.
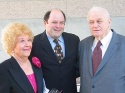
[[90, 43], [20, 77], [39, 78], [45, 44], [67, 43], [110, 51]]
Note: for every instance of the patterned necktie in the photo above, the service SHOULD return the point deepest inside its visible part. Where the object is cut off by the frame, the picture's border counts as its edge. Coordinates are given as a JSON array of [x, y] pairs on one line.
[[96, 57], [58, 51]]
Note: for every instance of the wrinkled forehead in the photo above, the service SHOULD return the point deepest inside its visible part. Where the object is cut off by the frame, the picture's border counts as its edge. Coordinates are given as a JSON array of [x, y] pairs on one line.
[[96, 14]]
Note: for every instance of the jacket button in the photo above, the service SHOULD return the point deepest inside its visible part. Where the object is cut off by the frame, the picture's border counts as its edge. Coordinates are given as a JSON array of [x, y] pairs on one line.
[[93, 86]]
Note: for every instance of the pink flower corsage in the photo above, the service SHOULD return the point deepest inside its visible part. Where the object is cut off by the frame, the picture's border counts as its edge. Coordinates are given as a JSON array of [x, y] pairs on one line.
[[36, 62]]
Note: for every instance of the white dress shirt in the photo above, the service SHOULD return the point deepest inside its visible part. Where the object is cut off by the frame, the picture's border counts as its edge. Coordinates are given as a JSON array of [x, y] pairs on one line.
[[105, 42], [45, 90]]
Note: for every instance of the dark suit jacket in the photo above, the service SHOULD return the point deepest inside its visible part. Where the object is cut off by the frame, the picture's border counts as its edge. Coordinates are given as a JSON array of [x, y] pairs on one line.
[[14, 80], [56, 75], [110, 75]]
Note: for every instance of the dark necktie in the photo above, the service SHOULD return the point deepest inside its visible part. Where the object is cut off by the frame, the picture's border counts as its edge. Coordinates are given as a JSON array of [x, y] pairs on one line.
[[58, 51], [96, 57]]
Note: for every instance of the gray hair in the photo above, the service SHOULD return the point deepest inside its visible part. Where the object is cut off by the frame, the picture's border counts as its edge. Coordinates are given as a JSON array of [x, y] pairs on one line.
[[96, 8]]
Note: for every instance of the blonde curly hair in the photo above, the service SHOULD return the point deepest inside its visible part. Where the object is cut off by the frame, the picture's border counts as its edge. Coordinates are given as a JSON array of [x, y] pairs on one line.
[[11, 32]]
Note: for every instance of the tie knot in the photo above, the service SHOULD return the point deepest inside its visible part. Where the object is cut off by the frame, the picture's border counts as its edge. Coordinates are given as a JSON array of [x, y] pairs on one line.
[[99, 44], [56, 41]]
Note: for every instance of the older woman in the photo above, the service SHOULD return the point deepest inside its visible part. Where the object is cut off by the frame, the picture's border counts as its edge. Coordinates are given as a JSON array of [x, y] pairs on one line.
[[18, 74]]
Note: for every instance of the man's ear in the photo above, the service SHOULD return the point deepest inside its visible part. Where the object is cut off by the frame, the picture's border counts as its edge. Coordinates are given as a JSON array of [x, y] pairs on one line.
[[109, 20], [45, 23]]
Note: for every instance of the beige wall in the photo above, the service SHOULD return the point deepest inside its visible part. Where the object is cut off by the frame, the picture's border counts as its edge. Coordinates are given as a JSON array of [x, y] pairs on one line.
[[19, 9]]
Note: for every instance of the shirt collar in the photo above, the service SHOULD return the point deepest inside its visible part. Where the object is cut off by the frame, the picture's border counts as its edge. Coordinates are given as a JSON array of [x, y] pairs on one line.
[[105, 41], [51, 39]]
